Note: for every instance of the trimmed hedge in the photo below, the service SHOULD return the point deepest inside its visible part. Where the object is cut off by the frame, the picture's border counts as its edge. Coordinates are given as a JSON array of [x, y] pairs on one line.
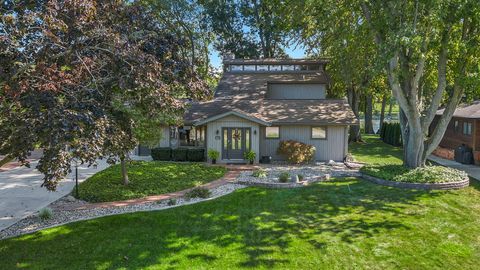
[[161, 153], [391, 133], [178, 154], [196, 155]]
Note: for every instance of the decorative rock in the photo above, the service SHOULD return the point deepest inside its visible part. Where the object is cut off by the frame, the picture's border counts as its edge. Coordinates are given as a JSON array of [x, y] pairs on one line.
[[34, 223], [70, 198]]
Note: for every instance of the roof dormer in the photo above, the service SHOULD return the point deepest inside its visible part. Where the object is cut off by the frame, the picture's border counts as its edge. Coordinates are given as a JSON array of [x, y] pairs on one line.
[[274, 65]]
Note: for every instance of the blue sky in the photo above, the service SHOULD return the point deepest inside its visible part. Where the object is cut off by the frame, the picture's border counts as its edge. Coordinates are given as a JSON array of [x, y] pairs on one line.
[[293, 52]]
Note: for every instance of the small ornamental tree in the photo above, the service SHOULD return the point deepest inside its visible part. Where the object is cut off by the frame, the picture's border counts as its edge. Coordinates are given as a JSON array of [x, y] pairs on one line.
[[81, 78]]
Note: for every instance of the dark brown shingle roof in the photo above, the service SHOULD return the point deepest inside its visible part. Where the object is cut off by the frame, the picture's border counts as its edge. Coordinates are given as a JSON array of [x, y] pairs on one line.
[[327, 111], [465, 111]]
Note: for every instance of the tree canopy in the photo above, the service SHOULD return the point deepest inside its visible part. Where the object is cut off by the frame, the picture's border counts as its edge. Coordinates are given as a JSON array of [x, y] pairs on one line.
[[79, 77]]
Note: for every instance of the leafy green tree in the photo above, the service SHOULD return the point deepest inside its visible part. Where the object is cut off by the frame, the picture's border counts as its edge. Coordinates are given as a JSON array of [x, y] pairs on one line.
[[77, 75], [336, 31], [247, 28], [430, 50]]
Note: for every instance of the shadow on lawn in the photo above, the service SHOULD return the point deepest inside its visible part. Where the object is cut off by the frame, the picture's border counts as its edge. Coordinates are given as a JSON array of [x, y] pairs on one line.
[[257, 223]]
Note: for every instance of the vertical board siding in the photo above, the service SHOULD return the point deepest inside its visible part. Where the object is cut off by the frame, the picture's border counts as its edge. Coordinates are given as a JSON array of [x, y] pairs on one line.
[[231, 121], [165, 140], [333, 148], [296, 91]]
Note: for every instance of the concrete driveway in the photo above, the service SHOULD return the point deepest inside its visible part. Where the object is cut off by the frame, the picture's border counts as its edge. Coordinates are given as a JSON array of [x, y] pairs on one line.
[[21, 194]]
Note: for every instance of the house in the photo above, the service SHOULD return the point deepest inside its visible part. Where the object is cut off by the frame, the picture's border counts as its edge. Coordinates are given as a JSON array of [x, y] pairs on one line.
[[463, 129], [260, 102]]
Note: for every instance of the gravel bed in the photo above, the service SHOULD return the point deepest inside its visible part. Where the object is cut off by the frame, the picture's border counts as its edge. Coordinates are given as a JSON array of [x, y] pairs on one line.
[[34, 223], [309, 171]]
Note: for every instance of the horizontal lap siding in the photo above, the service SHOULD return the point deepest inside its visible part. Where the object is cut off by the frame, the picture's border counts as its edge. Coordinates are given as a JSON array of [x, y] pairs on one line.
[[230, 121], [333, 148]]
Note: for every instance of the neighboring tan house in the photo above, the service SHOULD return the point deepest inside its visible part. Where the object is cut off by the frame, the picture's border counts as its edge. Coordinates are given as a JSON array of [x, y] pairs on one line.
[[259, 103], [463, 129]]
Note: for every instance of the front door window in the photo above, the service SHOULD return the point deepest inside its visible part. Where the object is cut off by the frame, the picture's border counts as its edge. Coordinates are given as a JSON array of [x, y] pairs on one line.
[[235, 142]]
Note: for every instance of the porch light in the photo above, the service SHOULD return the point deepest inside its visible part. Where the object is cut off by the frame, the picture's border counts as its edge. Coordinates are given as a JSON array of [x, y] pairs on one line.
[[254, 132], [217, 132]]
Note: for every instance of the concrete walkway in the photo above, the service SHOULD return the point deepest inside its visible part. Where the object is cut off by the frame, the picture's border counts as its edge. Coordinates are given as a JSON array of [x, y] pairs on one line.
[[472, 170], [21, 193]]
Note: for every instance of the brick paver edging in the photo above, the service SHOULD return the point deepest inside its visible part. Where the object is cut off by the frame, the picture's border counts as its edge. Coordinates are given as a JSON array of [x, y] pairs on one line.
[[425, 186], [229, 177]]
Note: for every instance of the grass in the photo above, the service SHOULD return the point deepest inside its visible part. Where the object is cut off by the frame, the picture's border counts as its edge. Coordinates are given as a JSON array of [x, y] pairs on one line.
[[374, 151], [146, 178], [385, 161], [342, 224]]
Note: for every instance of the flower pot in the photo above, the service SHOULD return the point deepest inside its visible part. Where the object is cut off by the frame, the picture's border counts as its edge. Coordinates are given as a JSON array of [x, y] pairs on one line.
[[214, 161], [251, 162]]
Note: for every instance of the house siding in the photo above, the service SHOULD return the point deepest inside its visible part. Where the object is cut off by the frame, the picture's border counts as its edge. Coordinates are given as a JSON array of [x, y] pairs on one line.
[[296, 91], [231, 121], [165, 140], [335, 147]]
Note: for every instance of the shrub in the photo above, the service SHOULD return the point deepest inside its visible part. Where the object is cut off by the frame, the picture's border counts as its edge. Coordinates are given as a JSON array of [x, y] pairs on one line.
[[296, 152], [391, 133], [260, 173], [300, 177], [198, 193], [213, 154], [196, 154], [161, 153], [45, 213], [283, 177], [179, 154], [432, 174], [171, 202], [250, 155]]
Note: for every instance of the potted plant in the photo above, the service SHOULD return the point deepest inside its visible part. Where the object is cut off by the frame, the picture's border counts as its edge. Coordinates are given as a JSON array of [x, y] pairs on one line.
[[250, 156], [213, 155]]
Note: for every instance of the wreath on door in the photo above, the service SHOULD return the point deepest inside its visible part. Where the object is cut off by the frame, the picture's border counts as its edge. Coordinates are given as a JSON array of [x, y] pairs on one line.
[[236, 135]]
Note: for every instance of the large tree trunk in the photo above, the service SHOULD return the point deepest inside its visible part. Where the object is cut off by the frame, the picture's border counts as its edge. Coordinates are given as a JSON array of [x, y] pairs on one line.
[[369, 114], [123, 164], [382, 111], [354, 102]]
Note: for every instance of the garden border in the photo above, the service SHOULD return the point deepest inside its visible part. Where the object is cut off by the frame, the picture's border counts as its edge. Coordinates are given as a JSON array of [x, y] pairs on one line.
[[307, 182], [425, 186]]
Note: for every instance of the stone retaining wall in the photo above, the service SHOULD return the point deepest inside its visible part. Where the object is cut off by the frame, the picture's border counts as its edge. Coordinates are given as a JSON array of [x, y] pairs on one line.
[[424, 186]]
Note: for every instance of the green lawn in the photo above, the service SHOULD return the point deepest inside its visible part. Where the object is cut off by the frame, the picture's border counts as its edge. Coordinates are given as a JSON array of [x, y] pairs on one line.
[[146, 178], [374, 151], [342, 224]]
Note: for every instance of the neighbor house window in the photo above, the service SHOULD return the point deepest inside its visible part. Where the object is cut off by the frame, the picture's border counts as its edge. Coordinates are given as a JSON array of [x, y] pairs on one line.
[[467, 128], [456, 126], [275, 67], [272, 132], [249, 68], [319, 132]]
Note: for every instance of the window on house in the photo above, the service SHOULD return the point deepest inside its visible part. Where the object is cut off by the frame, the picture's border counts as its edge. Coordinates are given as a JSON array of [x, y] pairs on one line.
[[275, 67], [467, 128], [319, 132], [272, 132], [456, 126], [288, 67], [262, 67], [236, 67], [249, 67], [173, 132]]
